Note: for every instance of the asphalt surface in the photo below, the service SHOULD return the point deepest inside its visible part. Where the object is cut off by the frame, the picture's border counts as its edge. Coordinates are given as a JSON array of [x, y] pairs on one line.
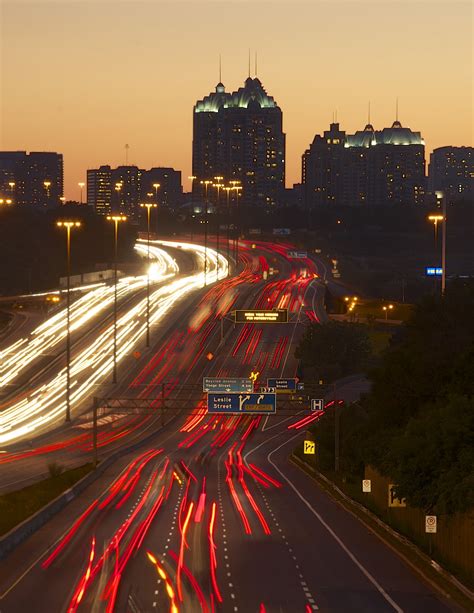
[[209, 515]]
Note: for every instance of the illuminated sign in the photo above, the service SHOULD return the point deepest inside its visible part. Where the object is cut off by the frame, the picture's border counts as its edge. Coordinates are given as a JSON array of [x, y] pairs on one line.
[[317, 404], [241, 403], [432, 271], [309, 448], [282, 384], [279, 316], [281, 231], [297, 255], [226, 384]]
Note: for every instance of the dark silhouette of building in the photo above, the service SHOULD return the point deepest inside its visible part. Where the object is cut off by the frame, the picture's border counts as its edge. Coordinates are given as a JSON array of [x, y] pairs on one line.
[[170, 190], [124, 188], [374, 168], [34, 178], [239, 136], [451, 170]]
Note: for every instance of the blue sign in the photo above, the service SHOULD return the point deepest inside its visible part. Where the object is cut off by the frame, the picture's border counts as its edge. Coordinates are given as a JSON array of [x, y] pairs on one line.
[[281, 231], [432, 271], [297, 255], [226, 384], [254, 404], [317, 404], [282, 384], [300, 386]]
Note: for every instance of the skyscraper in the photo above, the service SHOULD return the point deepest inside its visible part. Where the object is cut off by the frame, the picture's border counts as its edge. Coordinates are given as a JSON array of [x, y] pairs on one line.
[[451, 169], [240, 136], [376, 168], [99, 189], [170, 191], [34, 178]]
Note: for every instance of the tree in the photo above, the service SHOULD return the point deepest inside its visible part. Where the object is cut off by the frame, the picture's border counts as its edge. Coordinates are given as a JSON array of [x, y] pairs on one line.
[[334, 349]]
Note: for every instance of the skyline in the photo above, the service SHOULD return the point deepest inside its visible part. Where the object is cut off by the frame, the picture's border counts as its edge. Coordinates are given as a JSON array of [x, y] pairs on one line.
[[133, 77]]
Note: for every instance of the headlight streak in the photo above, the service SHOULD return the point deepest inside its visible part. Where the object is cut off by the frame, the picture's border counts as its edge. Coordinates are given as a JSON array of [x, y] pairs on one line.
[[46, 404]]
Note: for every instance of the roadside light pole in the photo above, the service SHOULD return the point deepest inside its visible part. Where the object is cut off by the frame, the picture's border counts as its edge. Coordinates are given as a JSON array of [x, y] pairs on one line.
[[441, 196], [218, 186], [206, 184], [81, 187], [227, 191], [68, 225], [237, 189], [116, 219], [148, 206], [192, 178]]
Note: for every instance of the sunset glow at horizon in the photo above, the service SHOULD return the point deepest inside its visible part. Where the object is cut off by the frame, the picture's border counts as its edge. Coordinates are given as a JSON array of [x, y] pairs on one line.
[[84, 78]]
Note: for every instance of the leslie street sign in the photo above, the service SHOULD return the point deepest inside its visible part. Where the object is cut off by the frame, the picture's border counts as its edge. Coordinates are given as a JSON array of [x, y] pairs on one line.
[[282, 384], [226, 384], [241, 403]]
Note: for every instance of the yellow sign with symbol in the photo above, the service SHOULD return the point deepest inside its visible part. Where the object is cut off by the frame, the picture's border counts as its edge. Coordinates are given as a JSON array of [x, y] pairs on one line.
[[309, 447]]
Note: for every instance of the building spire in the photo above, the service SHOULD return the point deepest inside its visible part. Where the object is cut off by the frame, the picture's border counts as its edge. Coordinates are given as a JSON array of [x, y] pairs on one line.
[[220, 68], [396, 110], [368, 114]]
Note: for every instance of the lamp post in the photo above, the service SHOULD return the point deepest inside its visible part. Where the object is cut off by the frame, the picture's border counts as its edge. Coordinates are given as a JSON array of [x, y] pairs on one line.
[[441, 198], [148, 206], [192, 178], [68, 225], [206, 184], [156, 186], [237, 189], [386, 309], [116, 219], [227, 191], [118, 187], [218, 186], [81, 187], [47, 185]]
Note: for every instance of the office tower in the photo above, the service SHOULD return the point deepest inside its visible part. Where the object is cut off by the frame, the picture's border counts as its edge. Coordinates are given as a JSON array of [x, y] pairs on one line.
[[99, 190], [34, 178], [239, 136], [451, 169], [164, 184], [374, 168]]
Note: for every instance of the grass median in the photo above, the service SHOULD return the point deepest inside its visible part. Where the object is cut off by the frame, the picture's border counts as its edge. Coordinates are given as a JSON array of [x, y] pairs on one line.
[[17, 506]]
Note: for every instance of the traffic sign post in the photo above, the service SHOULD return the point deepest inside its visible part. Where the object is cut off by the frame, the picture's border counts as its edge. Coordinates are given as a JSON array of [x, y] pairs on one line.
[[226, 384], [285, 385], [309, 448], [431, 524], [297, 255], [317, 404], [254, 404], [366, 486]]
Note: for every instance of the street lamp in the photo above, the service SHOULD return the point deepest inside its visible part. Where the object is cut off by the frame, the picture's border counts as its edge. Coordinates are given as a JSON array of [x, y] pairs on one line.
[[386, 309], [81, 187], [68, 225], [118, 187], [156, 186], [206, 184], [11, 184], [227, 191], [218, 186], [116, 219], [192, 178], [148, 206], [47, 185], [441, 198], [237, 189]]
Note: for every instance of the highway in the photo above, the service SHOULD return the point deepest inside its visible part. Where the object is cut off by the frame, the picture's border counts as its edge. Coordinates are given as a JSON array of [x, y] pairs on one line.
[[209, 515]]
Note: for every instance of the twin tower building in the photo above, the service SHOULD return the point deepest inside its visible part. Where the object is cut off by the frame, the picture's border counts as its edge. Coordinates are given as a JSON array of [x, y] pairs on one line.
[[240, 136]]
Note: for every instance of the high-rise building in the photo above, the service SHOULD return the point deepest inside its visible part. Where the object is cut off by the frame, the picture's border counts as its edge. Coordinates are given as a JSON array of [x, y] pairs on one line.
[[375, 168], [451, 169], [34, 178], [99, 189], [122, 189], [239, 136], [165, 186]]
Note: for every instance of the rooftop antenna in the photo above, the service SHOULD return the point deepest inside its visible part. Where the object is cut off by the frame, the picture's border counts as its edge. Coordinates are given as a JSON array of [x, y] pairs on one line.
[[368, 115], [396, 110], [220, 68], [255, 63], [249, 63], [127, 147]]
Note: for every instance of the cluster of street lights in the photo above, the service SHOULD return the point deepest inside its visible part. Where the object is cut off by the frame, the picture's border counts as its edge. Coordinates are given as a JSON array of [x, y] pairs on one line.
[[386, 309], [217, 183]]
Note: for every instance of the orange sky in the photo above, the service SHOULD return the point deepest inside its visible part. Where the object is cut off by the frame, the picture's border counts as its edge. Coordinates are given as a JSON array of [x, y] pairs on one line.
[[85, 77]]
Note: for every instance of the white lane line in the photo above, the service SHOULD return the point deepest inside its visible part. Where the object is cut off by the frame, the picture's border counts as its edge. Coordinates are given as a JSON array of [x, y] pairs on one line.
[[361, 567]]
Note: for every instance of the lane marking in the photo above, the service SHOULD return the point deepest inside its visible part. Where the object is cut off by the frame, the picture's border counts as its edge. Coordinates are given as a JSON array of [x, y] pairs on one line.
[[356, 561]]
